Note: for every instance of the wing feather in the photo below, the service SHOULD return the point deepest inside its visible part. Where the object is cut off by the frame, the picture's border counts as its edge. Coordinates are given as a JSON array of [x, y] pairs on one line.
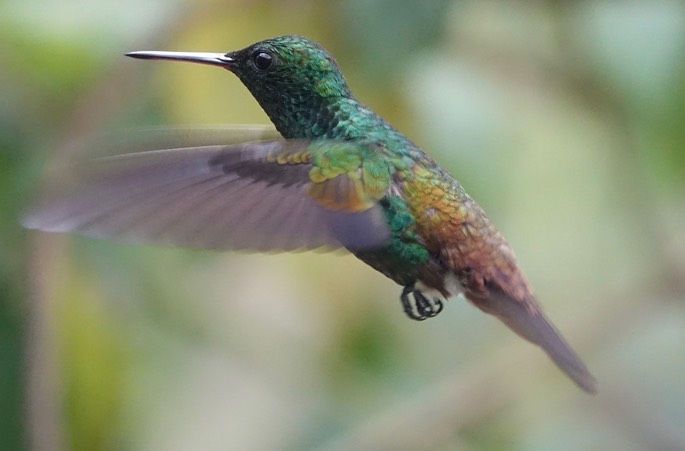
[[251, 196]]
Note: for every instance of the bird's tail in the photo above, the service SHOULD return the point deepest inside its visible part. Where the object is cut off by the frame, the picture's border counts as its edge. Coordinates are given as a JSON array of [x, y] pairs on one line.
[[533, 325]]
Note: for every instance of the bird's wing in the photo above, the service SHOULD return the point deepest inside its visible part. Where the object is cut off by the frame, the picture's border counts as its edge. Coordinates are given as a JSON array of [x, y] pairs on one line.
[[279, 195]]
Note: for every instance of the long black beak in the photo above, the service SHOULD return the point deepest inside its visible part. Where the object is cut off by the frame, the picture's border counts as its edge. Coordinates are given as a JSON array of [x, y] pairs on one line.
[[213, 59]]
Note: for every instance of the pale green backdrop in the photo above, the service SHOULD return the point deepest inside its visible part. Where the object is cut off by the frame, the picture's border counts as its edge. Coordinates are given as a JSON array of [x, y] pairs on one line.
[[564, 119]]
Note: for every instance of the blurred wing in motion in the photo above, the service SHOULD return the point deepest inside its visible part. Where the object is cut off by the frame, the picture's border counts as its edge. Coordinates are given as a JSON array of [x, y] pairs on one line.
[[164, 137], [118, 142], [254, 196]]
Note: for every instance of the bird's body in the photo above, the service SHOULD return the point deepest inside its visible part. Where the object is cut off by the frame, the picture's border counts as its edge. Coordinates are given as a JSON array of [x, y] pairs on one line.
[[342, 177]]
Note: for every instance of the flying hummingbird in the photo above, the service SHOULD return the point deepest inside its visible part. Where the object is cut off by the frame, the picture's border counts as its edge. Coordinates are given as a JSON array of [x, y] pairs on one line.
[[341, 177]]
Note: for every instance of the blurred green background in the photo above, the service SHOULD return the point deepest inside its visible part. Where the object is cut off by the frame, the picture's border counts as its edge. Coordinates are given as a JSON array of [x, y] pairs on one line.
[[564, 119]]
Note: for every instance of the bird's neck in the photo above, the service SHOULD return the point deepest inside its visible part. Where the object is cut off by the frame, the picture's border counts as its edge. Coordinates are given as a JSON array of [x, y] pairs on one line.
[[323, 118]]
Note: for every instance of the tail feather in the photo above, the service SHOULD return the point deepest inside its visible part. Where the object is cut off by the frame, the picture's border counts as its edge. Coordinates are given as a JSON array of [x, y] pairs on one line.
[[533, 325]]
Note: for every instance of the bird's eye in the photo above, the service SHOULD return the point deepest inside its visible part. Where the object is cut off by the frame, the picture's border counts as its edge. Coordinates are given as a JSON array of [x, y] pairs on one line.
[[262, 60]]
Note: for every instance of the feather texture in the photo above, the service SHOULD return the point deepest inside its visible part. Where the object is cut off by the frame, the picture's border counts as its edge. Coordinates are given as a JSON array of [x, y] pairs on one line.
[[252, 196]]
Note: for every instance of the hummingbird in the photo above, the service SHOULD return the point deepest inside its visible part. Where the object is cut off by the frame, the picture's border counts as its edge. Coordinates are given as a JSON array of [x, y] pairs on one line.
[[339, 176]]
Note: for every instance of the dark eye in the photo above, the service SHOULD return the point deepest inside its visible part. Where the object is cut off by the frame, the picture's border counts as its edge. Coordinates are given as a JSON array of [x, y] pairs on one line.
[[262, 60]]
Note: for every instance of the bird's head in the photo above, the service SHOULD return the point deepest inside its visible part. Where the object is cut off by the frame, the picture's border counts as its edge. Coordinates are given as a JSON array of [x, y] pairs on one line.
[[288, 66]]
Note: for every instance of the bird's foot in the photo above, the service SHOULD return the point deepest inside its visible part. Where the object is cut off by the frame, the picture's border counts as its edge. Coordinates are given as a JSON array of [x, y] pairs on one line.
[[417, 306]]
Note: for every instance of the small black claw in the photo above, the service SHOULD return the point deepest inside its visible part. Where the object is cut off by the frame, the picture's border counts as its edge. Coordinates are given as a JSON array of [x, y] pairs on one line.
[[407, 305], [421, 308], [425, 307]]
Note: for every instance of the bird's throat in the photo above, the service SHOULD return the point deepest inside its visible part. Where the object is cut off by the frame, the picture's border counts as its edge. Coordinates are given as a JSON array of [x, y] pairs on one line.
[[303, 118]]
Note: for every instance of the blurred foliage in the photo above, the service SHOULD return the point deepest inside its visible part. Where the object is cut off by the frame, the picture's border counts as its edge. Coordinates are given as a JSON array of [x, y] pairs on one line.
[[565, 121]]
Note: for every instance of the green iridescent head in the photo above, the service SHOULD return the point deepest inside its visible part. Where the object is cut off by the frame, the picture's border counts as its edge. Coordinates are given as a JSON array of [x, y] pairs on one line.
[[287, 67]]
